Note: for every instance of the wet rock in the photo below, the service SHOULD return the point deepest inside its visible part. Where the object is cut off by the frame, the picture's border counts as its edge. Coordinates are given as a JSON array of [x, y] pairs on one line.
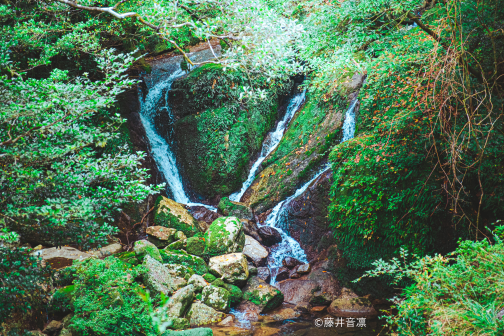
[[255, 252], [160, 236], [201, 314], [216, 297], [202, 214], [293, 274], [283, 273], [198, 282], [251, 229], [352, 307], [106, 250], [283, 313], [171, 214], [249, 311], [143, 248], [304, 269], [262, 294], [232, 268], [321, 298], [227, 322], [237, 209], [296, 291], [290, 262], [231, 331], [196, 246], [180, 257], [61, 257], [270, 236], [264, 273], [317, 309], [252, 269], [158, 279], [180, 301], [53, 327], [267, 331], [225, 235]]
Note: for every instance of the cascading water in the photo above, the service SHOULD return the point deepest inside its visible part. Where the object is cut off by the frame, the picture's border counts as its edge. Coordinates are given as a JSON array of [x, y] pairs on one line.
[[157, 100], [272, 142], [289, 247]]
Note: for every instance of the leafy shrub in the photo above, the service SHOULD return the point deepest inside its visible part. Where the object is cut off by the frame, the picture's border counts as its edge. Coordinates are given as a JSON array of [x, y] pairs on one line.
[[458, 295], [108, 300], [23, 282]]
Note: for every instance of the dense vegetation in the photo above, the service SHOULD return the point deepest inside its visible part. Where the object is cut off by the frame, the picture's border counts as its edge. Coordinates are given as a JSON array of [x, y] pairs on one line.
[[424, 170]]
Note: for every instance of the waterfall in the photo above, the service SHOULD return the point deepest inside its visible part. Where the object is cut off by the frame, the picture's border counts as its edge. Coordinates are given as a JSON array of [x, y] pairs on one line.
[[157, 100], [271, 143], [289, 247]]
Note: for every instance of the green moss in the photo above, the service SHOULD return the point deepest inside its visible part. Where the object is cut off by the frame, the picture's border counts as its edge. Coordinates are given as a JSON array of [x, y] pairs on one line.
[[230, 208], [171, 214], [175, 246], [236, 294], [196, 263], [196, 246], [143, 248], [209, 277], [218, 283]]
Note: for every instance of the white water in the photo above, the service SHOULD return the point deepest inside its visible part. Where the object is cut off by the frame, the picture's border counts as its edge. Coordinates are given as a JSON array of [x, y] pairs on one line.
[[271, 143], [157, 99], [289, 247]]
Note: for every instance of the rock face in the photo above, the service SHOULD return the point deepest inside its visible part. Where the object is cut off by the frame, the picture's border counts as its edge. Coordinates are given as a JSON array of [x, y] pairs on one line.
[[265, 296], [160, 236], [270, 236], [171, 214], [61, 257], [216, 297], [158, 279], [53, 327], [225, 235], [255, 252], [143, 248], [236, 209], [196, 263], [201, 314], [232, 268], [297, 291], [350, 305], [313, 131], [180, 301], [283, 273]]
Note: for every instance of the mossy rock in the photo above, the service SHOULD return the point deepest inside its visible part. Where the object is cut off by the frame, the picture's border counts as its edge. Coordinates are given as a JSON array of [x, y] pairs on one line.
[[313, 131], [225, 235], [235, 294], [171, 214], [216, 297], [262, 294], [196, 246], [180, 323], [196, 263], [209, 277], [180, 271], [218, 283], [143, 248], [176, 246], [236, 209]]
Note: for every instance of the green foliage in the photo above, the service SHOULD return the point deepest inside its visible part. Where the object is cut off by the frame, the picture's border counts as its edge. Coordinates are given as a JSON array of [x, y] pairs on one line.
[[108, 300], [464, 289], [24, 282]]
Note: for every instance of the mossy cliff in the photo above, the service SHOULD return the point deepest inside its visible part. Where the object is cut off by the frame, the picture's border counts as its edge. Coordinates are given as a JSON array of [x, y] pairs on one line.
[[312, 132], [216, 134]]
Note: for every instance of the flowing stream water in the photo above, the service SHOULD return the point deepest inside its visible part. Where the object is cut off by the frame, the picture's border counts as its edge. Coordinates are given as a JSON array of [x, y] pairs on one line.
[[271, 143], [155, 102], [289, 247]]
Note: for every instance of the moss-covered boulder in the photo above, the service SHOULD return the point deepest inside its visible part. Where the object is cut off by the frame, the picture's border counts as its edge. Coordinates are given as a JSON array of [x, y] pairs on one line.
[[209, 277], [262, 294], [196, 246], [178, 304], [201, 314], [160, 236], [232, 268], [225, 235], [216, 297], [129, 257], [313, 130], [218, 136], [176, 246], [196, 263], [235, 294], [198, 282], [171, 214], [179, 271], [143, 248], [236, 209], [158, 279]]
